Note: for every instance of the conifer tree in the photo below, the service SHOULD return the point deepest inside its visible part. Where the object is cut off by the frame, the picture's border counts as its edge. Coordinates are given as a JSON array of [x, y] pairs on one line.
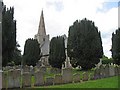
[[116, 46], [84, 44], [31, 52], [57, 52]]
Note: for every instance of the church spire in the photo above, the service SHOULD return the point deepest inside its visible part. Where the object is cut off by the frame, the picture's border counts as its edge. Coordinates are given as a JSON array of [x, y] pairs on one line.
[[41, 28]]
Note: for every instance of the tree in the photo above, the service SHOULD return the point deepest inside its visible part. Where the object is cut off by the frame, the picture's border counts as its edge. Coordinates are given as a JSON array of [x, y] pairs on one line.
[[31, 52], [116, 46], [57, 52], [8, 35], [84, 44]]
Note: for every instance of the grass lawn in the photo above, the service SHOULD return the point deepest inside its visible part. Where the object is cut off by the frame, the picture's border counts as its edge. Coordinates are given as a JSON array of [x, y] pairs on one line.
[[111, 82]]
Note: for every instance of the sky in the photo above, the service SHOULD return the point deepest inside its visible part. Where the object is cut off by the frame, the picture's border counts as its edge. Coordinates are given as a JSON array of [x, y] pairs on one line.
[[60, 14]]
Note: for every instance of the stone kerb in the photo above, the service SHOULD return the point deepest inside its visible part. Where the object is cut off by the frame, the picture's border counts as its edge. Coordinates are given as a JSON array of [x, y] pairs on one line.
[[49, 81], [58, 79], [76, 77], [67, 75], [85, 76], [112, 70], [26, 79], [14, 78], [39, 78]]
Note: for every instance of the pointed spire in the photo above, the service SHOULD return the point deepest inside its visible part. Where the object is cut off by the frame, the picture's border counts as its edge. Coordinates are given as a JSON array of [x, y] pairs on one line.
[[41, 28]]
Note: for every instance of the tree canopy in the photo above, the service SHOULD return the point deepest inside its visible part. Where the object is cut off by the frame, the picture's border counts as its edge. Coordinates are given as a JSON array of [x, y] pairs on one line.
[[31, 52], [57, 52], [84, 44], [116, 46]]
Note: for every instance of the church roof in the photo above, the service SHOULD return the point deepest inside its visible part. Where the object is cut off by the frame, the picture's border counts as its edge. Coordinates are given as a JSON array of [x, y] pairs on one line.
[[41, 28]]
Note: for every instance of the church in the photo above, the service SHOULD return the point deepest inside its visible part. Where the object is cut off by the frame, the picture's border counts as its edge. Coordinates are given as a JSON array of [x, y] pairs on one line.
[[43, 40]]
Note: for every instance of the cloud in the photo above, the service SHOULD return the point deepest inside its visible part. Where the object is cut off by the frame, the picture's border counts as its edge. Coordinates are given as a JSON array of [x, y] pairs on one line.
[[60, 14]]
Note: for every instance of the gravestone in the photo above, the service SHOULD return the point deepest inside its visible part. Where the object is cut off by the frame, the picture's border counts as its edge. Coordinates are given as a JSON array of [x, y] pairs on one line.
[[49, 81], [17, 76], [43, 69], [26, 79], [97, 73], [67, 75], [39, 78], [55, 70], [31, 70], [107, 71], [119, 70], [39, 64], [26, 69], [116, 70], [76, 77], [112, 70], [102, 71], [58, 79], [4, 79], [85, 76], [14, 78], [91, 76]]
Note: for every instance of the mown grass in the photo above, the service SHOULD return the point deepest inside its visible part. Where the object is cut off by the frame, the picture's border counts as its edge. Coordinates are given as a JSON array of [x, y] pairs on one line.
[[111, 82]]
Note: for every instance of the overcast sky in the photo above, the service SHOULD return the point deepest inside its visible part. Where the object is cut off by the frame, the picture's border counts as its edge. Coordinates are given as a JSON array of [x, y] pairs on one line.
[[60, 14]]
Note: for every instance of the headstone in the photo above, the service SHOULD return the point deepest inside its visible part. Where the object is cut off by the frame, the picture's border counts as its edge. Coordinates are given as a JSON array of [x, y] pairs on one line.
[[76, 77], [55, 70], [39, 64], [31, 70], [0, 78], [49, 81], [116, 70], [26, 79], [4, 79], [43, 69], [102, 71], [112, 70], [39, 78], [119, 70], [58, 79], [26, 69], [91, 76], [85, 76], [14, 79], [107, 71], [67, 75], [97, 73]]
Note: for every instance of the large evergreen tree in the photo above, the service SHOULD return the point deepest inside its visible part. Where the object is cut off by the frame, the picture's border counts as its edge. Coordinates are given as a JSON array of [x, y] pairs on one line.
[[31, 52], [8, 35], [116, 46], [57, 52], [84, 44]]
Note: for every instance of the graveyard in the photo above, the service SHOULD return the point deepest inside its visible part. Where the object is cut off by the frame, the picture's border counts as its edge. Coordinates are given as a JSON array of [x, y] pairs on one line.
[[47, 77], [76, 59]]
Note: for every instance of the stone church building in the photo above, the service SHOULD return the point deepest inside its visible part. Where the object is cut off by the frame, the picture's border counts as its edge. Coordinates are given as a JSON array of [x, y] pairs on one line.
[[43, 40]]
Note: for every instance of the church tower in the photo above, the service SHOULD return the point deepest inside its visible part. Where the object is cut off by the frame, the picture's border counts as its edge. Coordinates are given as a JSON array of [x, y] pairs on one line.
[[42, 38]]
